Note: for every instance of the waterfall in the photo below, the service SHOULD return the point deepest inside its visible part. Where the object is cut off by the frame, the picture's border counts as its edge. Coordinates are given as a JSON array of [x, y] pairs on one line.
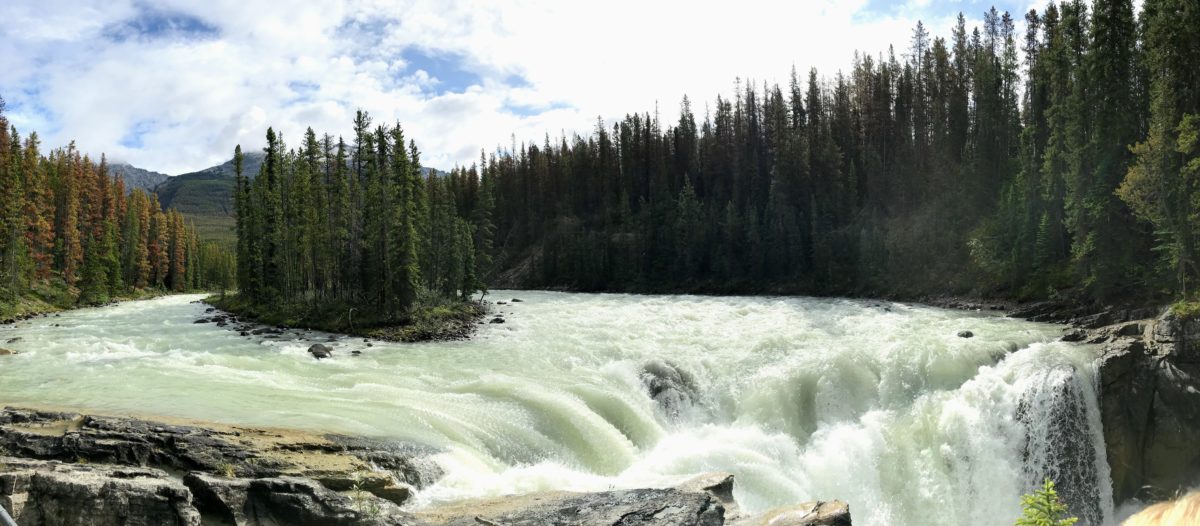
[[1064, 440], [878, 404]]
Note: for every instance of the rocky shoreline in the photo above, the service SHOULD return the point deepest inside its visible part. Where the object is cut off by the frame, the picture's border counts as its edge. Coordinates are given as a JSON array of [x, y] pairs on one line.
[[62, 468], [454, 324]]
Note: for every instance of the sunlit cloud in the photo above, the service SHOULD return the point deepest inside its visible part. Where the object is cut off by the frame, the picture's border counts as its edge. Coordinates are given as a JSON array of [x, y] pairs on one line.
[[174, 85]]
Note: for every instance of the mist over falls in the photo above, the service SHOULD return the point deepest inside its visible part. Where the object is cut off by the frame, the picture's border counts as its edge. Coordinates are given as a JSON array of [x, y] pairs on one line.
[[879, 404]]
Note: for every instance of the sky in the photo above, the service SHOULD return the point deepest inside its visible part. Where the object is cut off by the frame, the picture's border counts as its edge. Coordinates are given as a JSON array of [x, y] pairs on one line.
[[173, 85]]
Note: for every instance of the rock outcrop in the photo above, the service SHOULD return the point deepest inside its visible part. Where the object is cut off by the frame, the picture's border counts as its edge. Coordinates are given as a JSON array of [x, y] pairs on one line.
[[821, 513], [642, 507], [1150, 405], [105, 471], [392, 469], [47, 493], [289, 500]]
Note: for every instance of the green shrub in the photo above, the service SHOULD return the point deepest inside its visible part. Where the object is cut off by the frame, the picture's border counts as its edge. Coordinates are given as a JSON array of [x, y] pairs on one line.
[[1186, 309], [1044, 508]]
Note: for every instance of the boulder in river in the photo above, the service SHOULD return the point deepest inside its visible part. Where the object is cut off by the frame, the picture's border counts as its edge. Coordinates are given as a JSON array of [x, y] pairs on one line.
[[516, 300], [497, 320], [7, 352], [320, 351], [672, 387], [965, 334]]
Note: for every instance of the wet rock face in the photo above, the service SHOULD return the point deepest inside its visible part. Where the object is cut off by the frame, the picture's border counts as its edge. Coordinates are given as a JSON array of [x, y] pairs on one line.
[[40, 493], [1150, 405]]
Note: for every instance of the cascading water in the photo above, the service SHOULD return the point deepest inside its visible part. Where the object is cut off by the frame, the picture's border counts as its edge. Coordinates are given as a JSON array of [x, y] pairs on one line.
[[878, 404]]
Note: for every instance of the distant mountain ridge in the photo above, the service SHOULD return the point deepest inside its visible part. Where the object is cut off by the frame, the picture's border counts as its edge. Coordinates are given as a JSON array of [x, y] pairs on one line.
[[135, 177], [205, 196]]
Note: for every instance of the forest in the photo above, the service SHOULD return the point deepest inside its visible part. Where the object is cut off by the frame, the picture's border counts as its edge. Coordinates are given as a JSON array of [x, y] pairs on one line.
[[71, 235], [331, 227], [1060, 161], [1063, 161]]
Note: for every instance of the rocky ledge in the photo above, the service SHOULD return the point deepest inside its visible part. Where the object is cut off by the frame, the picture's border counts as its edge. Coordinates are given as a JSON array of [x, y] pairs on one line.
[[59, 468], [1149, 383]]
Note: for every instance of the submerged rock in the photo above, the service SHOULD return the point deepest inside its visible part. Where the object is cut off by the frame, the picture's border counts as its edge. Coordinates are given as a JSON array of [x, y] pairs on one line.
[[320, 351], [497, 320], [670, 386], [50, 493], [965, 334]]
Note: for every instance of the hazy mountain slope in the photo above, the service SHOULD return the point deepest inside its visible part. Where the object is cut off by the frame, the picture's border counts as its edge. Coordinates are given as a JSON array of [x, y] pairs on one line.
[[136, 177], [206, 196]]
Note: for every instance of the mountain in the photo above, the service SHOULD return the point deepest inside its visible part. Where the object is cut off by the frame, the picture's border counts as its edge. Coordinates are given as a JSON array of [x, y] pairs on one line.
[[136, 177], [205, 197]]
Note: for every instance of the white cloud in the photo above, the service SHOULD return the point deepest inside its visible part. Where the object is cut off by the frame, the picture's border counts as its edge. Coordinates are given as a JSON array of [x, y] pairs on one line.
[[196, 96]]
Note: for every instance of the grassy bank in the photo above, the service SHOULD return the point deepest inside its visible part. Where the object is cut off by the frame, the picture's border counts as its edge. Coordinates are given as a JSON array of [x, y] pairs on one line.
[[432, 319], [56, 296]]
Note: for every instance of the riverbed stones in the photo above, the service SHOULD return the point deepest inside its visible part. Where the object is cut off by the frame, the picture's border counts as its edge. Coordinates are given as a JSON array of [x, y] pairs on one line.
[[320, 351], [38, 493]]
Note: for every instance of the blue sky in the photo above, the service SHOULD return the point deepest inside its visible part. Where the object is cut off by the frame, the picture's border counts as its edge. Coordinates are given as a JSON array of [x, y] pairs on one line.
[[173, 85]]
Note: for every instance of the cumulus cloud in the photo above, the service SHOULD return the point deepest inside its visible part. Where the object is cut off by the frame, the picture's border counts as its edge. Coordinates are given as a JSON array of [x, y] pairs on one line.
[[173, 85]]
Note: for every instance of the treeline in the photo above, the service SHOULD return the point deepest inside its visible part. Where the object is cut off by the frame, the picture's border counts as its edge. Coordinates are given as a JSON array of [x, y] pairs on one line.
[[960, 164], [357, 224], [65, 223]]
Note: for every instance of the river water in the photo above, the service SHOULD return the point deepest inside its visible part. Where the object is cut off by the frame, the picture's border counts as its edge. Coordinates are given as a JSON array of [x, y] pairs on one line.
[[876, 403]]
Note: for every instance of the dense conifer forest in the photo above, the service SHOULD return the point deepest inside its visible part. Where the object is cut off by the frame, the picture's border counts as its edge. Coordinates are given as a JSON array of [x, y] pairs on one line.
[[332, 227], [1063, 159], [71, 234]]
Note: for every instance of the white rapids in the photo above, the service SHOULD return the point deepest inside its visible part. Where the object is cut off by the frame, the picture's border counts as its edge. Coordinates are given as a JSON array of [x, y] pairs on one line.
[[879, 404]]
